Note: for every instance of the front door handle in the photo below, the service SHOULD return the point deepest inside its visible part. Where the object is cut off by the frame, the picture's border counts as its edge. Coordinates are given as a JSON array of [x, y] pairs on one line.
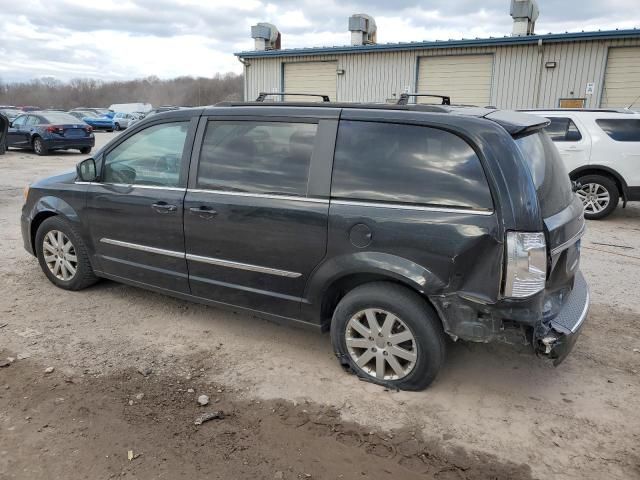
[[164, 207], [203, 212]]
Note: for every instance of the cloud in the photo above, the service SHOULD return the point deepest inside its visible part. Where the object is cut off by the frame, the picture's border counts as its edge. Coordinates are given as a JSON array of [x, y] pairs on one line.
[[121, 39]]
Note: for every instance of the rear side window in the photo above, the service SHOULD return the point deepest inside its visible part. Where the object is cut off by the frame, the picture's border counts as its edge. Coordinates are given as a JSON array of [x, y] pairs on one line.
[[621, 129], [563, 129], [257, 157], [407, 164]]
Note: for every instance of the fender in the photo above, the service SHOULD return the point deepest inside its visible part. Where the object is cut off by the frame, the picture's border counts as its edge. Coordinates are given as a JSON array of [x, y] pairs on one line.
[[609, 170], [376, 264], [47, 206]]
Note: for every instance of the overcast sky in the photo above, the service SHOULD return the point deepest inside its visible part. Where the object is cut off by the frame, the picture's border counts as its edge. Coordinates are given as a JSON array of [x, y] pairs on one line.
[[124, 39]]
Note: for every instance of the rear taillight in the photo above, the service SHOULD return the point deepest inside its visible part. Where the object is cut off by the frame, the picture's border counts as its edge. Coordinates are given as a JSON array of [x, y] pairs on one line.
[[526, 270], [54, 129], [88, 129]]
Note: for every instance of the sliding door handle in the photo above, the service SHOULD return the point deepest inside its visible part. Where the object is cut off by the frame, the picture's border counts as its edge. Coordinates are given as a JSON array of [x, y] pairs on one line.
[[203, 212], [164, 207]]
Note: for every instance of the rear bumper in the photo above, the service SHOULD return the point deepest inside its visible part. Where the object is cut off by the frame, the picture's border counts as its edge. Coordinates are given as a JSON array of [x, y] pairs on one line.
[[558, 336], [70, 142]]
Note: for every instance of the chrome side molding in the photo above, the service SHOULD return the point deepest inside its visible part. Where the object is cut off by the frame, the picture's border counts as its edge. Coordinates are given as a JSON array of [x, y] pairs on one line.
[[198, 258]]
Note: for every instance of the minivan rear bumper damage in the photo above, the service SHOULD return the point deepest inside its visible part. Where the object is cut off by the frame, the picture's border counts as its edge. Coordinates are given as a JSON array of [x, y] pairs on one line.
[[555, 337]]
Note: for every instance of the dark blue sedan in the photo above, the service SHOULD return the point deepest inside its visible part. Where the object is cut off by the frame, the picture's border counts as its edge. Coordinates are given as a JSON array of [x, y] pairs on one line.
[[47, 131]]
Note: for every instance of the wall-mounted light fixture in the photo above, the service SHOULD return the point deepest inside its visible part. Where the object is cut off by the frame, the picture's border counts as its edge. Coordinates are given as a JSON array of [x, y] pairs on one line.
[[550, 64]]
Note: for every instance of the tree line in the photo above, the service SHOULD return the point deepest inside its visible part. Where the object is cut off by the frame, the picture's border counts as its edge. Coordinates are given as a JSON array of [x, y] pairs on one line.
[[182, 91]]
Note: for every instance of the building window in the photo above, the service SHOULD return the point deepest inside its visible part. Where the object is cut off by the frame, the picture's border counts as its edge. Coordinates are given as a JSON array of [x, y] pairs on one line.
[[572, 102]]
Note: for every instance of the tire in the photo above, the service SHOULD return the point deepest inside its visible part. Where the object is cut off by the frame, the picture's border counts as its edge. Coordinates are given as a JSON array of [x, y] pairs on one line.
[[599, 195], [414, 319], [85, 150], [39, 147], [117, 127], [83, 276]]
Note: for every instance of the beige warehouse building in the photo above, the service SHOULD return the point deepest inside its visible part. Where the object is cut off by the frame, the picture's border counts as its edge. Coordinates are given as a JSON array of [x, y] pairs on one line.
[[525, 70]]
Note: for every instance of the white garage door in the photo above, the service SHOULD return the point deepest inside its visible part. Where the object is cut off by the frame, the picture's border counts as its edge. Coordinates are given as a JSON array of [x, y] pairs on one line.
[[465, 78], [622, 77], [310, 77]]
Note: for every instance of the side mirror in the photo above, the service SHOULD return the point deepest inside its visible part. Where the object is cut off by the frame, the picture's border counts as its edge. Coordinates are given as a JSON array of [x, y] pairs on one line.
[[86, 170]]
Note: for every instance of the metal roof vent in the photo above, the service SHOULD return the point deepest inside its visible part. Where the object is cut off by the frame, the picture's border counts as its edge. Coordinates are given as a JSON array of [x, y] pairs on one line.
[[266, 36], [363, 29], [524, 13]]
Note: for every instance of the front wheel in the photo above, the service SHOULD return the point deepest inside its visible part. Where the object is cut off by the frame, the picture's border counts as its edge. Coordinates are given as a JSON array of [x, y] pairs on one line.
[[389, 335], [599, 196], [85, 150], [39, 147], [117, 127], [62, 255]]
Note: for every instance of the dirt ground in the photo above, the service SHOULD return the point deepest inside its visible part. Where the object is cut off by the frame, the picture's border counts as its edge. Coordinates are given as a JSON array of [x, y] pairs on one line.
[[290, 412]]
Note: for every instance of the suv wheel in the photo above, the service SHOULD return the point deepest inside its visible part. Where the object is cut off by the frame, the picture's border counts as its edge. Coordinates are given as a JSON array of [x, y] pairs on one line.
[[62, 255], [39, 147], [599, 196], [388, 335]]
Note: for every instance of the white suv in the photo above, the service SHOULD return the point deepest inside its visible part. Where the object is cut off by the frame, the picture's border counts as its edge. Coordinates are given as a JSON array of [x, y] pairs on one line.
[[601, 150]]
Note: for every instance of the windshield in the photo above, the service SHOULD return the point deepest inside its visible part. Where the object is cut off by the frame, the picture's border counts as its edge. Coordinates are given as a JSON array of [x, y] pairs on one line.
[[548, 171]]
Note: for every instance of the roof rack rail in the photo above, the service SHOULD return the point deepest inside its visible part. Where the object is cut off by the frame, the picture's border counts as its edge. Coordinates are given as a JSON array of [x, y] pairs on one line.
[[263, 95], [404, 98]]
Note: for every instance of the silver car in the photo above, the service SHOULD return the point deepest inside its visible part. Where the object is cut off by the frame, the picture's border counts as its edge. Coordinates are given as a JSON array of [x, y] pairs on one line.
[[123, 120]]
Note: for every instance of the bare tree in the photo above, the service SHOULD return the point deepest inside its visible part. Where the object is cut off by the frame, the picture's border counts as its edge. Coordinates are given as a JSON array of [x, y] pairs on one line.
[[49, 92]]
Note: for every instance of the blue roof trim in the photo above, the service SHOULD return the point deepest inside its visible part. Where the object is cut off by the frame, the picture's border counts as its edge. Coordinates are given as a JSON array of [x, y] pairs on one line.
[[479, 42]]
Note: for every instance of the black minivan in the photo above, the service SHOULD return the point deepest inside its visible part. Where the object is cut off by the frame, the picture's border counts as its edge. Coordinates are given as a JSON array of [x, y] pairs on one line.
[[392, 226]]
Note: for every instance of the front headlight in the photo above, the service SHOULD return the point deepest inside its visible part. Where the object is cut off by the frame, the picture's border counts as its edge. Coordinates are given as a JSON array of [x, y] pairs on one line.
[[25, 192], [526, 271]]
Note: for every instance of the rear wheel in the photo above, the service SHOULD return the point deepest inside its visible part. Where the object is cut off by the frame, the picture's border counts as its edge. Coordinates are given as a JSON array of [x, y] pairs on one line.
[[62, 255], [599, 195], [85, 150], [39, 147], [388, 334]]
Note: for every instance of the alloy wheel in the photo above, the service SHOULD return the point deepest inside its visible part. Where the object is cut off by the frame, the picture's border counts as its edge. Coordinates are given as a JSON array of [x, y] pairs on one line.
[[37, 146], [595, 197], [60, 255], [381, 344]]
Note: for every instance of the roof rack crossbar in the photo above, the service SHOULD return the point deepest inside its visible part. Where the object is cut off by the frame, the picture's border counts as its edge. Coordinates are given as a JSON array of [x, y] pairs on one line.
[[404, 98], [263, 95]]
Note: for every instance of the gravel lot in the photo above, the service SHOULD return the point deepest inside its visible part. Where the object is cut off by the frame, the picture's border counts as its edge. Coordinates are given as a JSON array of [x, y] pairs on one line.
[[290, 411]]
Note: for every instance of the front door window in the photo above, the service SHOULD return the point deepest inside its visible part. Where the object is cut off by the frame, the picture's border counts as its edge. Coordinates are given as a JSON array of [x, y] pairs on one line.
[[150, 157]]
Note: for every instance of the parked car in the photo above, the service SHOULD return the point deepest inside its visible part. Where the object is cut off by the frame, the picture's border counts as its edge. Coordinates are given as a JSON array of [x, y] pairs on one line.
[[120, 121], [392, 227], [80, 115], [29, 108], [130, 107], [103, 122], [4, 126], [47, 131], [601, 150], [97, 111], [11, 113]]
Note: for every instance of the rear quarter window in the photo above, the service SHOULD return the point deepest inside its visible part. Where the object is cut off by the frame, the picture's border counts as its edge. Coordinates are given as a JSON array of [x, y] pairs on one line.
[[621, 129], [410, 164], [548, 172]]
